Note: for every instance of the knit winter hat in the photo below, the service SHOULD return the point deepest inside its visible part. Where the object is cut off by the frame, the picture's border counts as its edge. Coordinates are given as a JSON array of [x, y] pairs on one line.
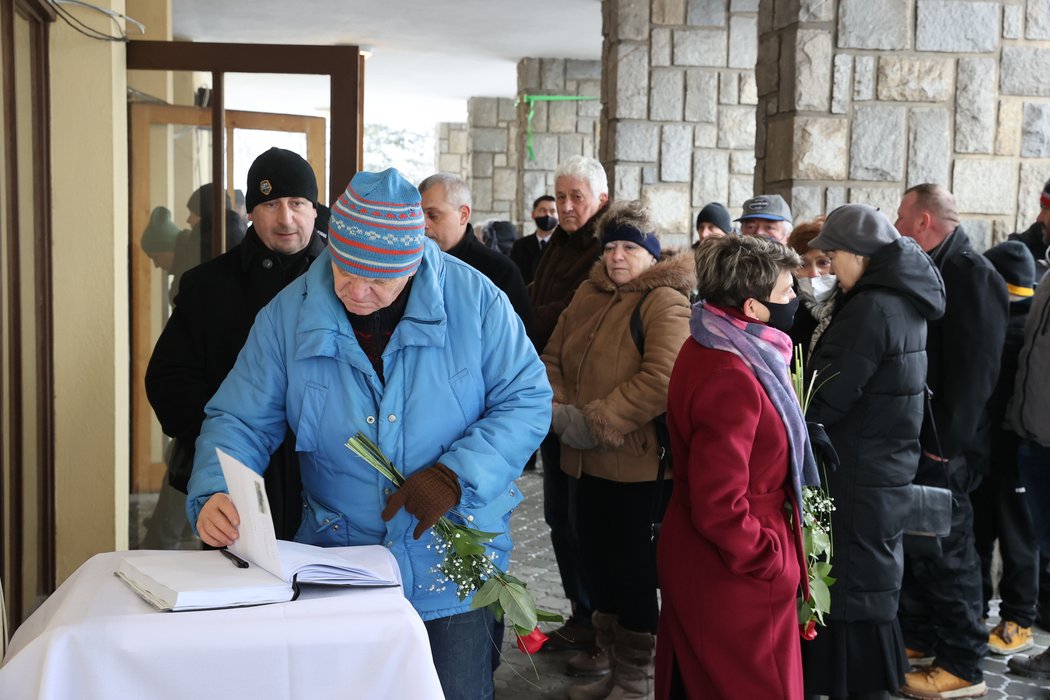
[[856, 228], [715, 213], [1015, 263], [377, 226], [1044, 196], [160, 234], [279, 173], [625, 232]]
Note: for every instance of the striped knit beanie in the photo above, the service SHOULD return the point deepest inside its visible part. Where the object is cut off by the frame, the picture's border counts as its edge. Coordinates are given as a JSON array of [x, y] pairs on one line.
[[376, 229]]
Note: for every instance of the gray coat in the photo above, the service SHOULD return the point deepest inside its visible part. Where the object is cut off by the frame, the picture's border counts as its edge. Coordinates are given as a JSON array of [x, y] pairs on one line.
[[1030, 411]]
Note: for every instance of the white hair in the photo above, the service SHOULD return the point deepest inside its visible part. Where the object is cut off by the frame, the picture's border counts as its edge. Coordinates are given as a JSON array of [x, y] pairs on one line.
[[584, 168], [456, 191]]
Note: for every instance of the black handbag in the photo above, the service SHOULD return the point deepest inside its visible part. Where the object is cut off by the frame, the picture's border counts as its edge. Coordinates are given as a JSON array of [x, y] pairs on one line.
[[930, 516]]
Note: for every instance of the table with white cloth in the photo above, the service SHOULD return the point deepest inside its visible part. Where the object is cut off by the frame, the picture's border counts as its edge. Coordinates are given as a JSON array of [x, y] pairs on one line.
[[95, 638]]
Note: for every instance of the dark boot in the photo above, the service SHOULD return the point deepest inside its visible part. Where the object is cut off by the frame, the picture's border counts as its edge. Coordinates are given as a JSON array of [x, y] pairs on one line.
[[593, 661], [1037, 666], [632, 665], [577, 634]]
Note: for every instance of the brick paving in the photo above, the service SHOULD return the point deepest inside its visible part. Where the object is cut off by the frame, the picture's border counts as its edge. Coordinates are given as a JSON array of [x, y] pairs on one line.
[[542, 676]]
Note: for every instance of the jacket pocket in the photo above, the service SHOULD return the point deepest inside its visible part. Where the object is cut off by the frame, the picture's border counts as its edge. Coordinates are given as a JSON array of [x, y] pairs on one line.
[[321, 525], [310, 413], [464, 388]]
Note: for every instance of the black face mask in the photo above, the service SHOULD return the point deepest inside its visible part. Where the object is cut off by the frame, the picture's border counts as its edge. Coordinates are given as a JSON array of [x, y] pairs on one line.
[[781, 316], [546, 223]]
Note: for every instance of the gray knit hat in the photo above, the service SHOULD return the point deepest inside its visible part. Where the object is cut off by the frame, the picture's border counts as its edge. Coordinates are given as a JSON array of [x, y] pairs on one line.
[[855, 228]]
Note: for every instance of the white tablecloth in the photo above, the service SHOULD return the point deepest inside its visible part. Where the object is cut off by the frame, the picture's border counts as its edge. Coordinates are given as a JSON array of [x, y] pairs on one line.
[[94, 638]]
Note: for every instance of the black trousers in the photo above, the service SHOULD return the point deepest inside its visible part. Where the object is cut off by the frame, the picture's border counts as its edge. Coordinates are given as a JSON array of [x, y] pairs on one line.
[[940, 606], [559, 512], [619, 566], [1000, 511]]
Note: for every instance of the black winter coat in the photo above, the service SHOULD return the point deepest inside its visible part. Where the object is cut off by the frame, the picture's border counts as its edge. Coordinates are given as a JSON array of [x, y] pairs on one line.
[[214, 310], [871, 369], [526, 255], [500, 270], [964, 349], [1004, 441]]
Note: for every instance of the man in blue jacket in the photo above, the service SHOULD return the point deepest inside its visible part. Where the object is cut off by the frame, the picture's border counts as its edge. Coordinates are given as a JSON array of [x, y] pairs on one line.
[[387, 336]]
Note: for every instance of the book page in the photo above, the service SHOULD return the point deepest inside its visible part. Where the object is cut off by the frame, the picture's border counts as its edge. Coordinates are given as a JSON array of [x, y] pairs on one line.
[[257, 542]]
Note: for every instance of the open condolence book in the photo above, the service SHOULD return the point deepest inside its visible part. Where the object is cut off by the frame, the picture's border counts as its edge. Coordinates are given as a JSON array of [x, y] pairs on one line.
[[209, 579]]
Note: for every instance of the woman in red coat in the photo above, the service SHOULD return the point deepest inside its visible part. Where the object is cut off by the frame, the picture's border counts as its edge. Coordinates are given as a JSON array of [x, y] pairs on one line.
[[730, 556]]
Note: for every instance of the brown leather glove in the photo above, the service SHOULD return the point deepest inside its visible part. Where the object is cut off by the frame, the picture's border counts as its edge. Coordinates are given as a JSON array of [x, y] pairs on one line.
[[427, 494]]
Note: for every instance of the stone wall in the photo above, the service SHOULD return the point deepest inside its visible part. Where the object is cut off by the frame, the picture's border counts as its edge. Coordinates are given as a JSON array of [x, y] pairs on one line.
[[859, 100], [453, 151], [679, 94], [493, 146], [560, 129]]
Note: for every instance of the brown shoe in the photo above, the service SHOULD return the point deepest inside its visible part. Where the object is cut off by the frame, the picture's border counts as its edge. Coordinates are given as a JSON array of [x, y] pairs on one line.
[[1037, 666], [592, 663], [1009, 638], [934, 683], [918, 658], [574, 635]]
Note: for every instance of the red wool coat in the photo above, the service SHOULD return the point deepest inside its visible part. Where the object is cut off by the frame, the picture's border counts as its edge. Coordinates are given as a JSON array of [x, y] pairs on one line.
[[728, 560]]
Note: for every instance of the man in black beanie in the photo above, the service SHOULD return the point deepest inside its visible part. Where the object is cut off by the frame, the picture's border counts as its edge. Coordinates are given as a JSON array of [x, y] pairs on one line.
[[215, 308], [713, 220]]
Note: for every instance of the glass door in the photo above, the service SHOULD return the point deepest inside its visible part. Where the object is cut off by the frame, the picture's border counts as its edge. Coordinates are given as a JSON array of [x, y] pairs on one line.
[[170, 231]]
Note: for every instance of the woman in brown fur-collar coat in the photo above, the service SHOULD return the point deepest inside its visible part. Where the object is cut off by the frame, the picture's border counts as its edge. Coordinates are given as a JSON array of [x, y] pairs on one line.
[[608, 388]]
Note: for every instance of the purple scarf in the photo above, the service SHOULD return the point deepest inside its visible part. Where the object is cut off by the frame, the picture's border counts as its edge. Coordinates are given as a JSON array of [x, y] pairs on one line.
[[767, 352]]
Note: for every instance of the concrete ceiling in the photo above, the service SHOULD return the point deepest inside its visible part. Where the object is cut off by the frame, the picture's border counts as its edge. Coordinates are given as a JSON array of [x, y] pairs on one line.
[[427, 59]]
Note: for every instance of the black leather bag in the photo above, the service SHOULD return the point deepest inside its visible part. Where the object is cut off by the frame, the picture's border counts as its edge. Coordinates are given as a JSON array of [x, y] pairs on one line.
[[930, 517]]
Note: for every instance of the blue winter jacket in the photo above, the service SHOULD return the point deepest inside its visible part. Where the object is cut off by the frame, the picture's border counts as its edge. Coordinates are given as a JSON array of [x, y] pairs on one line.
[[464, 387]]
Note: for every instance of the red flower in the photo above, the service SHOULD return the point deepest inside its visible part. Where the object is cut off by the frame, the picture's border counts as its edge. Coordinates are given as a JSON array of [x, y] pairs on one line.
[[532, 642], [808, 630]]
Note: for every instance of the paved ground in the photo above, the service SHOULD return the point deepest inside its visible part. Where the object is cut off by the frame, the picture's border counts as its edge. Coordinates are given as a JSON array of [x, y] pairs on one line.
[[542, 675]]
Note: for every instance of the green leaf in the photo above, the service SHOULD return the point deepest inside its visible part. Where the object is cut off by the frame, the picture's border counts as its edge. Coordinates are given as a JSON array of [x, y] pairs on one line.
[[548, 616], [518, 606], [821, 595], [821, 570], [465, 547], [487, 594]]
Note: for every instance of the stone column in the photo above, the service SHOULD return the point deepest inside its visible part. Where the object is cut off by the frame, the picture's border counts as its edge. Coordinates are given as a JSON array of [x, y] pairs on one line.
[[492, 136], [679, 98], [560, 129], [859, 100], [453, 154]]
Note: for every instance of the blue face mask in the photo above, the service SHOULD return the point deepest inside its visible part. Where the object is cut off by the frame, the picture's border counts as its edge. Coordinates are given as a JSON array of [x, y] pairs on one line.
[[781, 316]]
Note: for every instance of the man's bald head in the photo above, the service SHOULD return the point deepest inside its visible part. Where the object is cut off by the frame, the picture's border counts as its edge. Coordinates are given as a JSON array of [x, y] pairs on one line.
[[927, 213]]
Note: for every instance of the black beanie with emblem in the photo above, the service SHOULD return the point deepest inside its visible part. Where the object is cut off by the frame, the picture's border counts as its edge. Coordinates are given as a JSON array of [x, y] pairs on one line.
[[279, 173]]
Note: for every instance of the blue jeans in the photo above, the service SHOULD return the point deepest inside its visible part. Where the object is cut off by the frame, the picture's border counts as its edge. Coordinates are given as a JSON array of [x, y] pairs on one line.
[[463, 647], [1033, 463]]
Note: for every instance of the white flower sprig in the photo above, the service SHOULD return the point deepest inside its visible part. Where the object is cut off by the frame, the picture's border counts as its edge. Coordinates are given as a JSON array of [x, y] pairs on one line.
[[465, 561], [816, 508]]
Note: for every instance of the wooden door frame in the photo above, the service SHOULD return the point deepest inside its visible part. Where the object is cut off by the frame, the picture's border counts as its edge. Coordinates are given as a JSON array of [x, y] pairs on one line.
[[146, 475], [12, 556], [343, 65]]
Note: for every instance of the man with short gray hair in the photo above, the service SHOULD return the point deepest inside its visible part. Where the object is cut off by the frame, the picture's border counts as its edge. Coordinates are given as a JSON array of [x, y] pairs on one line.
[[446, 210], [581, 191], [941, 599]]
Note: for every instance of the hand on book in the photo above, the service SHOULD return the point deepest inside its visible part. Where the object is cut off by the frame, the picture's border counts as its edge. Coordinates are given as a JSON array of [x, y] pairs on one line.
[[426, 494], [218, 521]]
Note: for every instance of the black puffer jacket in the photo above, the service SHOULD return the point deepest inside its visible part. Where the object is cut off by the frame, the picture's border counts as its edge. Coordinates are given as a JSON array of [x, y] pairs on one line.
[[872, 360]]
